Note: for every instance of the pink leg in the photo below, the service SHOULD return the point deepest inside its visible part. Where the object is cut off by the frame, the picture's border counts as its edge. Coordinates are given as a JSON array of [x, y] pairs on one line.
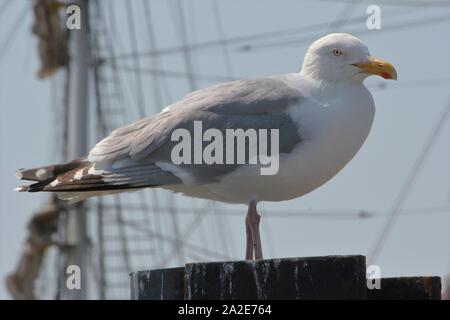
[[253, 236], [249, 244]]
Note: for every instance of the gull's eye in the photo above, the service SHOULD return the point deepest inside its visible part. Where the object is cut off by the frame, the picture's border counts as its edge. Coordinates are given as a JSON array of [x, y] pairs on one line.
[[337, 52]]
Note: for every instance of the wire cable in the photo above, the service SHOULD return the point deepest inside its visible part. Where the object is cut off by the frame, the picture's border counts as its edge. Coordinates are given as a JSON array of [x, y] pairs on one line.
[[407, 186]]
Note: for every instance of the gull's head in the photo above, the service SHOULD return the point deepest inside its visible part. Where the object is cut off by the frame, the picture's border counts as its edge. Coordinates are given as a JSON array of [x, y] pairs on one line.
[[341, 57]]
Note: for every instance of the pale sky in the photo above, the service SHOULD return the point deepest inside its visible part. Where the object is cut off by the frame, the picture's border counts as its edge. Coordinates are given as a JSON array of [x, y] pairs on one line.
[[414, 39]]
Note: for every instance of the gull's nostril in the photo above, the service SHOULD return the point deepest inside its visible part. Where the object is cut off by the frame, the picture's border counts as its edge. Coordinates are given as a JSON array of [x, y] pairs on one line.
[[380, 66]]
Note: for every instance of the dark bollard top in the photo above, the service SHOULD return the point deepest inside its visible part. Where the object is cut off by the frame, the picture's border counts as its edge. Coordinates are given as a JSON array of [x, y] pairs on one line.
[[330, 277], [309, 278]]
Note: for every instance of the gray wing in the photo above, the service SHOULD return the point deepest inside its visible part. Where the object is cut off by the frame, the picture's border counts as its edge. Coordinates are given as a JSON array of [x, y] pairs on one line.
[[244, 104]]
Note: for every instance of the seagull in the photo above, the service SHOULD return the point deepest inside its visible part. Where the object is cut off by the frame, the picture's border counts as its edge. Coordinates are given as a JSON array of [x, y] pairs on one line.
[[323, 115]]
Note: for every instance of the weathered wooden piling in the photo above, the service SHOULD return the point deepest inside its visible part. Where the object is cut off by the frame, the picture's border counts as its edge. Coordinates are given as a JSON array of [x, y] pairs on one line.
[[407, 288], [159, 284], [318, 278], [295, 278]]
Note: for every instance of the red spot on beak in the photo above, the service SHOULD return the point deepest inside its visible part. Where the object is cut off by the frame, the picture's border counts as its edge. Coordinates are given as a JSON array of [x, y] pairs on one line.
[[386, 75]]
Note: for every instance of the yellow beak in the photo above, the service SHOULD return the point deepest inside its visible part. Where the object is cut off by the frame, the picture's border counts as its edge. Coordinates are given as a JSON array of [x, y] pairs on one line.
[[378, 67]]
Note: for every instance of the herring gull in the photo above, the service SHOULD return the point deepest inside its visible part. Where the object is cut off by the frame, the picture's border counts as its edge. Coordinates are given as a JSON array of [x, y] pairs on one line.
[[322, 115]]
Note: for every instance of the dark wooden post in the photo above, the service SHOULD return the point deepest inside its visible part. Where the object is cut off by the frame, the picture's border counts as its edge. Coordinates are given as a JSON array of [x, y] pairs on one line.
[[160, 284], [407, 288], [330, 277], [334, 277]]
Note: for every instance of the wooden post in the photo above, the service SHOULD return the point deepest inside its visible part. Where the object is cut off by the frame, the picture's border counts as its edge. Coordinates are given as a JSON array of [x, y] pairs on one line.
[[331, 277], [407, 288], [316, 278], [160, 284]]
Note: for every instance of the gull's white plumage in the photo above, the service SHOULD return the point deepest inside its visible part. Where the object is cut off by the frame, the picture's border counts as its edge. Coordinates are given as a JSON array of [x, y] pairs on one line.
[[334, 122], [335, 116], [324, 114], [325, 110]]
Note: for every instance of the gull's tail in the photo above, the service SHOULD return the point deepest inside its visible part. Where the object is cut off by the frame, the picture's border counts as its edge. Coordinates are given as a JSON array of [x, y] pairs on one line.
[[71, 181], [78, 180]]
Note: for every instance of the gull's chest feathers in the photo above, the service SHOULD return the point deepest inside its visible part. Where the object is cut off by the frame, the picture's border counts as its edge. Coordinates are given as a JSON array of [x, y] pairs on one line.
[[344, 119], [332, 133]]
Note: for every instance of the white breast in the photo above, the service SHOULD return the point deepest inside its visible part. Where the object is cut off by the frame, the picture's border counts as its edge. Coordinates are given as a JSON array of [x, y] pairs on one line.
[[333, 135]]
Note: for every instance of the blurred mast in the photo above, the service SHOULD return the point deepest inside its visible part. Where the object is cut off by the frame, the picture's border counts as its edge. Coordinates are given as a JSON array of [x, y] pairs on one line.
[[76, 238]]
